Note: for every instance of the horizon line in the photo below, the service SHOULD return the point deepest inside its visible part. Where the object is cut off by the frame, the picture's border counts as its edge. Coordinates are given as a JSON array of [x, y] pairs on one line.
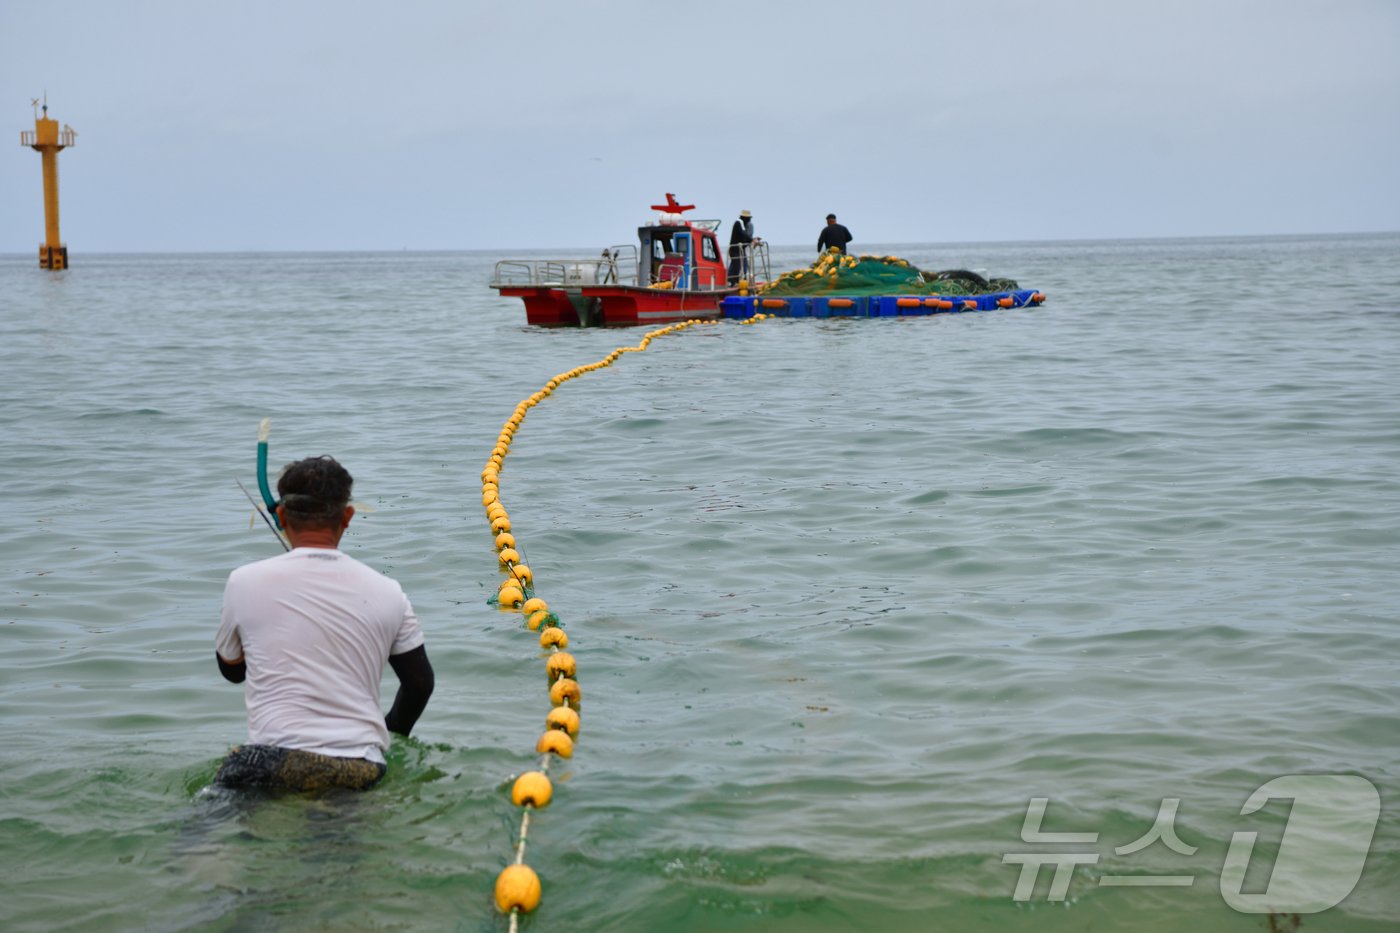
[[784, 246]]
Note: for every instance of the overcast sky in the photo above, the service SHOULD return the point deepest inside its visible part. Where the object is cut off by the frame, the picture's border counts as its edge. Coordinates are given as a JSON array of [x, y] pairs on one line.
[[456, 124]]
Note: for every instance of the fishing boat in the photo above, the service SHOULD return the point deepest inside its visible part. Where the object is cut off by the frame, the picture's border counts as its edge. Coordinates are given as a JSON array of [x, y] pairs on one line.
[[676, 272]]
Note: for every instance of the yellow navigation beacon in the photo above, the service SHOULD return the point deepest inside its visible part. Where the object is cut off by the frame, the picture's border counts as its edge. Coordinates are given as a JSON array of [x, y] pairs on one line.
[[47, 139]]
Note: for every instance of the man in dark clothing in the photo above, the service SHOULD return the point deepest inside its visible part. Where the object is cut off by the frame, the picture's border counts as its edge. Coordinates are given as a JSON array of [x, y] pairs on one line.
[[833, 234], [739, 237]]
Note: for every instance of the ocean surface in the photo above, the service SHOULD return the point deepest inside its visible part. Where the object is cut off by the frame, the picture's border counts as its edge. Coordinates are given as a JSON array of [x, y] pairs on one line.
[[846, 596]]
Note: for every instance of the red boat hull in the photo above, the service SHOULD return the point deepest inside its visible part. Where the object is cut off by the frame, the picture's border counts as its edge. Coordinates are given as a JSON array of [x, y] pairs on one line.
[[616, 305], [552, 307], [634, 306]]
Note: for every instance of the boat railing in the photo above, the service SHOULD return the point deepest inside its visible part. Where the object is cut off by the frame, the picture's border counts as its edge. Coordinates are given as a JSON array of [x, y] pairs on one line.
[[753, 267], [616, 266], [678, 276], [757, 258]]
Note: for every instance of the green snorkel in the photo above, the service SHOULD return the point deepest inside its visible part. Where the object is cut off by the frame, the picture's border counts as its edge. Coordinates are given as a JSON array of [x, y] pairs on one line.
[[270, 516], [264, 429]]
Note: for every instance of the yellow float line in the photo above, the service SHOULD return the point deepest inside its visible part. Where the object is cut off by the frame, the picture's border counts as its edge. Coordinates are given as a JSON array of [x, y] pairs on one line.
[[517, 886]]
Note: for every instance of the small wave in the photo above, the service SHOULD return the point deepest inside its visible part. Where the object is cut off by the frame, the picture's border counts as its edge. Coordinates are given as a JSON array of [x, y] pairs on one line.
[[113, 413]]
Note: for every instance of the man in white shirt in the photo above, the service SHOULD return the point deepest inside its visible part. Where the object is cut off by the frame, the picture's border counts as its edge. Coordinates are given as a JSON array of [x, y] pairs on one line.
[[310, 632]]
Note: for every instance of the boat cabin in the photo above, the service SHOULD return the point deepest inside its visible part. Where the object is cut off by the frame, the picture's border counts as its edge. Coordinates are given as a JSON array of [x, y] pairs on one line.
[[684, 253]]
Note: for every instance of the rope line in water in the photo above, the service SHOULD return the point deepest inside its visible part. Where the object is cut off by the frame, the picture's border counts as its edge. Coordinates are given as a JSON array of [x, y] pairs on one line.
[[517, 886]]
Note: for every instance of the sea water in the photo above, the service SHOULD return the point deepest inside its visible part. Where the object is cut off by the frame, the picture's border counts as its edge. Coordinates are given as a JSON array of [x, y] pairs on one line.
[[859, 606]]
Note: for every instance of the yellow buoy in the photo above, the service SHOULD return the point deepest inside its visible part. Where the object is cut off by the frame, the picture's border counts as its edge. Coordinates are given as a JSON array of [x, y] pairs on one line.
[[561, 717], [532, 788], [500, 524], [556, 743], [511, 597], [565, 692], [535, 619], [534, 605], [560, 665], [522, 573], [505, 540], [517, 888], [553, 636], [509, 556]]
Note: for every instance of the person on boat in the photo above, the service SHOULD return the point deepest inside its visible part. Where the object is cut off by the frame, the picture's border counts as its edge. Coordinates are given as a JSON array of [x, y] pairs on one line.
[[607, 269], [833, 234], [739, 237], [308, 633]]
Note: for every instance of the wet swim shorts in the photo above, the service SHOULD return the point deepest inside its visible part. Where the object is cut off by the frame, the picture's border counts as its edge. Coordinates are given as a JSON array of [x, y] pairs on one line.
[[268, 767]]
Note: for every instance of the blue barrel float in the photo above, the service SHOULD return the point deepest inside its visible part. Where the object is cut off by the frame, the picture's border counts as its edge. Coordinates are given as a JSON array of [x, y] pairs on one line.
[[740, 307]]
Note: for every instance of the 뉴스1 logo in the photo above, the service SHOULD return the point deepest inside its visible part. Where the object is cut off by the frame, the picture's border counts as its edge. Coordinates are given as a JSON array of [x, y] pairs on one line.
[[1320, 859]]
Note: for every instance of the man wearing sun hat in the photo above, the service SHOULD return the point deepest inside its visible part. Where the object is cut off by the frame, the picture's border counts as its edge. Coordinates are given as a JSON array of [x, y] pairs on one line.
[[739, 237]]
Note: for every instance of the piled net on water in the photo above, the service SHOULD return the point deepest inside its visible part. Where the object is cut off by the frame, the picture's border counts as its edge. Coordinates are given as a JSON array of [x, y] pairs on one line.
[[835, 273]]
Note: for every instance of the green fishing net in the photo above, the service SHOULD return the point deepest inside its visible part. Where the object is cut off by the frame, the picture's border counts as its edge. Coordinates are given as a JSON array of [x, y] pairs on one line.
[[836, 274]]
